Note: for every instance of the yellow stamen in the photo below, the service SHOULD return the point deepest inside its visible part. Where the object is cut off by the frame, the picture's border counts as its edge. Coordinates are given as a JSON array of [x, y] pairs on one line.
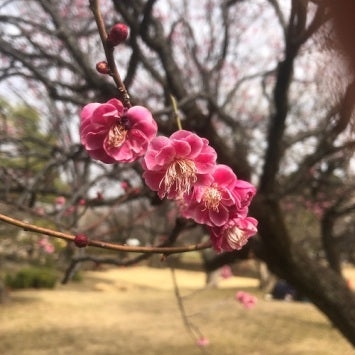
[[211, 198], [182, 174], [116, 136]]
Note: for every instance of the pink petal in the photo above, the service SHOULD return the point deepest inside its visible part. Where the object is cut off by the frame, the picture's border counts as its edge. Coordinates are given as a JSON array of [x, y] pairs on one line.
[[117, 104], [123, 153], [159, 142], [142, 119], [153, 179], [196, 144], [87, 111], [105, 115], [95, 141], [138, 141], [205, 163], [220, 217], [224, 175], [101, 155], [165, 156], [204, 179], [182, 148], [201, 216], [181, 134]]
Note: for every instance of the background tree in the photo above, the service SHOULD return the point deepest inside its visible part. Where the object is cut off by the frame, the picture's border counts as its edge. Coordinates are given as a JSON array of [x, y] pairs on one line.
[[252, 77]]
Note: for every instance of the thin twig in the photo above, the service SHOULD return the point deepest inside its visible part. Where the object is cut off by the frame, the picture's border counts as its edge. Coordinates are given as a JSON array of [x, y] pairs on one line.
[[192, 329], [175, 110], [101, 244], [123, 94], [173, 235]]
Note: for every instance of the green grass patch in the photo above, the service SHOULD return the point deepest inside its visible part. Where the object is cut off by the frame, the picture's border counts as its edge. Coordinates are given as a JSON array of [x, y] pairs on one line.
[[31, 277]]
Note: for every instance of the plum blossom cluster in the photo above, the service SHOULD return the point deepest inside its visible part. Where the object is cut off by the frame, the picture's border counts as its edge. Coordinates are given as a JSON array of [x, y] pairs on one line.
[[181, 167]]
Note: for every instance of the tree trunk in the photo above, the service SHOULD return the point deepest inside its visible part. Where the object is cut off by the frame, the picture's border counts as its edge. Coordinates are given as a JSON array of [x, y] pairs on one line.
[[324, 287], [330, 248]]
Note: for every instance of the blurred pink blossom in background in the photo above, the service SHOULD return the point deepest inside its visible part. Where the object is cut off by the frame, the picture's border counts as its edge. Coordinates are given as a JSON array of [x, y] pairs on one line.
[[60, 200], [69, 210], [46, 245], [124, 185], [40, 211], [202, 341], [246, 299], [226, 272]]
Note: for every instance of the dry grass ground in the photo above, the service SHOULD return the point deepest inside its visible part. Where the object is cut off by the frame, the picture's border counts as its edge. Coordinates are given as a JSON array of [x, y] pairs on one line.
[[134, 311]]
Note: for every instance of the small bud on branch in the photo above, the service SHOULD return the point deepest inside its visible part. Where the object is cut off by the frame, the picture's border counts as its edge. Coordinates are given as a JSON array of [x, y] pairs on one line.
[[101, 244], [118, 34], [102, 67], [81, 241], [108, 48]]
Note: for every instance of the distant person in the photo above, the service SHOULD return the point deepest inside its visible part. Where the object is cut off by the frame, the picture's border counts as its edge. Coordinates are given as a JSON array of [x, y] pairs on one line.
[[283, 291]]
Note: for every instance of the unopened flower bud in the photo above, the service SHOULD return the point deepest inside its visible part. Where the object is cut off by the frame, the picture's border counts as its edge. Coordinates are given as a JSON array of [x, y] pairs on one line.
[[102, 67], [118, 34], [81, 240]]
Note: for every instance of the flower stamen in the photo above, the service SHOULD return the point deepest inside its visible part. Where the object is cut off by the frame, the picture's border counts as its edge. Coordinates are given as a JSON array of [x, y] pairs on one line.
[[236, 237], [116, 135], [212, 198], [182, 174]]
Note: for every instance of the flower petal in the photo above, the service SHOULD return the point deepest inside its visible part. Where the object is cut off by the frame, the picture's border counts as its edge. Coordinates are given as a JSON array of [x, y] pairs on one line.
[[220, 217], [182, 148], [224, 175], [87, 111]]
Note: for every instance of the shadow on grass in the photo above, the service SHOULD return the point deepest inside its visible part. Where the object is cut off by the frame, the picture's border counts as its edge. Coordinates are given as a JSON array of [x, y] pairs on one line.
[[16, 298]]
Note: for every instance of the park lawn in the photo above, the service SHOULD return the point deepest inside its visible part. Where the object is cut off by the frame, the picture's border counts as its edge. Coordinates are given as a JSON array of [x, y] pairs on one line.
[[134, 311]]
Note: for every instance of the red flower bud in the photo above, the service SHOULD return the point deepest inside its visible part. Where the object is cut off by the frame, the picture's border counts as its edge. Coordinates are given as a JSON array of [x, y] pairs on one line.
[[102, 67], [81, 240], [118, 34]]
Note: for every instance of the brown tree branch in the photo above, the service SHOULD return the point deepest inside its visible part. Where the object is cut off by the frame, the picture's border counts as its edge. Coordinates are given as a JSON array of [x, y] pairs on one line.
[[123, 94], [105, 245]]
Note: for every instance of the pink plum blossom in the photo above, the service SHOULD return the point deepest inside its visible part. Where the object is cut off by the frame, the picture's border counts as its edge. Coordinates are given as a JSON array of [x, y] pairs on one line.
[[82, 202], [60, 200], [246, 299], [124, 185], [213, 204], [173, 166], [234, 234], [40, 211], [243, 191], [226, 272], [70, 210], [202, 341], [110, 133], [46, 245], [49, 248], [42, 242]]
